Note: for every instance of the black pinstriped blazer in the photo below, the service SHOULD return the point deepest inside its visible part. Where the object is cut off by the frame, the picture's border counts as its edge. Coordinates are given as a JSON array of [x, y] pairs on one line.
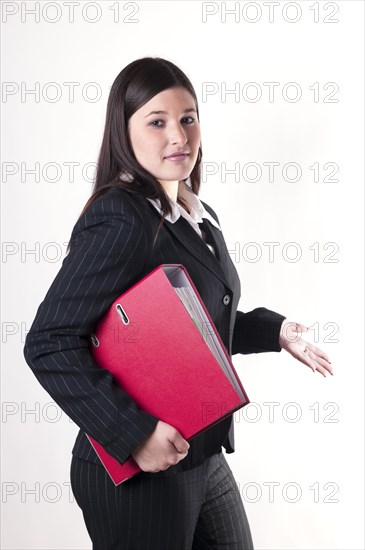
[[110, 250]]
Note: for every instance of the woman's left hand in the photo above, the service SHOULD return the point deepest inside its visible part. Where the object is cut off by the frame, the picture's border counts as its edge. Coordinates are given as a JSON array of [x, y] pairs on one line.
[[290, 339]]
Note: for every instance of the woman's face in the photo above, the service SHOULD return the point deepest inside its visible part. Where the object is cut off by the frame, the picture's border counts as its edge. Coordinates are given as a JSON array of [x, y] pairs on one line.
[[155, 136]]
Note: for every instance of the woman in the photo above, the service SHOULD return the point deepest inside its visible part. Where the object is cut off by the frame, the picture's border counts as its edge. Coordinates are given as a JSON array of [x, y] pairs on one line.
[[145, 211]]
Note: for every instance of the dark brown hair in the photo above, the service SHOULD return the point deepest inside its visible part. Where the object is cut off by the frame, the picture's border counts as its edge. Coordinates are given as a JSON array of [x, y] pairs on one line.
[[136, 84]]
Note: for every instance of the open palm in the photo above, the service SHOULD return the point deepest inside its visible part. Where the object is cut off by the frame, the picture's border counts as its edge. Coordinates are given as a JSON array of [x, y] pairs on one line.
[[290, 339]]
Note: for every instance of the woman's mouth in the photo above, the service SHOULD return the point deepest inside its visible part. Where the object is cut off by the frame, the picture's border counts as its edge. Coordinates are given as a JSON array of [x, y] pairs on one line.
[[177, 158]]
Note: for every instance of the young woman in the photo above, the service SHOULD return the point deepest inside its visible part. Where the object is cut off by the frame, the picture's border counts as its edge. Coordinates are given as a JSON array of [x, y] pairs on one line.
[[145, 211]]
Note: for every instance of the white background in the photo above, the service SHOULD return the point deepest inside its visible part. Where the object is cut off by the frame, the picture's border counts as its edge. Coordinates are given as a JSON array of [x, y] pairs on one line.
[[320, 455]]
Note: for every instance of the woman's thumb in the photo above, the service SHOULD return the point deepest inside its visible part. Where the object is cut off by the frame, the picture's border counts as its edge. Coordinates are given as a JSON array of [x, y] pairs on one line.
[[180, 444]]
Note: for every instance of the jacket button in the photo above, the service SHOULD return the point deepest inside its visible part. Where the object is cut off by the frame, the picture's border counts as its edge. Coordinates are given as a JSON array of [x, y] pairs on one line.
[[226, 299]]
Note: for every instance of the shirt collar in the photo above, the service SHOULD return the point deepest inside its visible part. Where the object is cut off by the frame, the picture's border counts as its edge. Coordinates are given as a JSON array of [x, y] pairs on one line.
[[197, 210]]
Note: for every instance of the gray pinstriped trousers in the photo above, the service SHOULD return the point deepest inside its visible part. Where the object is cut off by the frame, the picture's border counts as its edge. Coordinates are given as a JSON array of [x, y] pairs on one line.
[[199, 509]]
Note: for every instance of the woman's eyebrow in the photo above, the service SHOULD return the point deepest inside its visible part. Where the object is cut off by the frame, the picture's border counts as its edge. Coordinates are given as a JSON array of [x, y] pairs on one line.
[[165, 112]]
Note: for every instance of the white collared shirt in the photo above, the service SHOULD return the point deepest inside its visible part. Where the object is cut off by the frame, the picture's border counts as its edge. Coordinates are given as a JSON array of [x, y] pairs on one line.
[[197, 210]]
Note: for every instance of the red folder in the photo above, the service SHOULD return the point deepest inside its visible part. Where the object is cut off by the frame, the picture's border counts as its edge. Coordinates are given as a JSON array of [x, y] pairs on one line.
[[161, 345]]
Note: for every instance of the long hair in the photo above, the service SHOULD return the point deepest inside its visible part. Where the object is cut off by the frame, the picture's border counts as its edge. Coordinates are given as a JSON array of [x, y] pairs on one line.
[[134, 86]]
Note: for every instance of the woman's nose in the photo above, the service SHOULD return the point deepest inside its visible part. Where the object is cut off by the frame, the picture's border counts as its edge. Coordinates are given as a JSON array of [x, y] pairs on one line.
[[178, 135]]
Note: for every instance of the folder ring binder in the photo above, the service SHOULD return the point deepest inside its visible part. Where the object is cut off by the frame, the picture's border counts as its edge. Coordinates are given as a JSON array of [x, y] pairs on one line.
[[94, 340], [178, 368], [122, 314]]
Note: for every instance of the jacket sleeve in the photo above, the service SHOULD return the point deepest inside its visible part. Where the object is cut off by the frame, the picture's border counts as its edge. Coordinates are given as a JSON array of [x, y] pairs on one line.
[[256, 331], [107, 254]]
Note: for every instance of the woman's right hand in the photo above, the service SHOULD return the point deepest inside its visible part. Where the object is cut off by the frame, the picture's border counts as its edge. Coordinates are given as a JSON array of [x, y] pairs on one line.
[[162, 449]]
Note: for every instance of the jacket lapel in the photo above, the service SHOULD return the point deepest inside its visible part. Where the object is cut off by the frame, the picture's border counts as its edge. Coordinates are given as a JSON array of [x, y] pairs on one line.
[[183, 231]]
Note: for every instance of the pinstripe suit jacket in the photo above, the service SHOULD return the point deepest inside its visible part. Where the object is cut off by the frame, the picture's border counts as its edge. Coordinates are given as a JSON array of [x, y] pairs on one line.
[[110, 250]]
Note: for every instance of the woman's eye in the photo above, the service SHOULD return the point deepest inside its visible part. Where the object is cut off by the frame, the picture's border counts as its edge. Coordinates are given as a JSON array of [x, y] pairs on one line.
[[154, 122], [191, 118]]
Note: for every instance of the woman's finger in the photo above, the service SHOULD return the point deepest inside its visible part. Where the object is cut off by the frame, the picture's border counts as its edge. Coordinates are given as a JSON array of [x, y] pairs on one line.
[[323, 363], [319, 353], [314, 363], [303, 356]]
